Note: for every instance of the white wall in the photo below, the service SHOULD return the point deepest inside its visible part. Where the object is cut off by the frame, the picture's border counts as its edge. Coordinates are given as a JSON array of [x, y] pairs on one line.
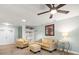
[[40, 32], [70, 25]]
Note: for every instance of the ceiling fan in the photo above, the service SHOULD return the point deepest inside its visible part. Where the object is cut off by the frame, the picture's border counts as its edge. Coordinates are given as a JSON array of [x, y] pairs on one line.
[[54, 10]]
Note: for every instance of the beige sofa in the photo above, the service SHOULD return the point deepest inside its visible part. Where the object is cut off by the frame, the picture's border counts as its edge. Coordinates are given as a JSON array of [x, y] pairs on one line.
[[21, 43], [48, 44]]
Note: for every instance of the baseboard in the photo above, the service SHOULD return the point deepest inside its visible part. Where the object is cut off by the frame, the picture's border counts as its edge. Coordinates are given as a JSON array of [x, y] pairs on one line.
[[7, 43], [74, 52], [70, 51]]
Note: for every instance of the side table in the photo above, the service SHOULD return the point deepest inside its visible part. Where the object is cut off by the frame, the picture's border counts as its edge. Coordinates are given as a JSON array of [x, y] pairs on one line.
[[64, 46]]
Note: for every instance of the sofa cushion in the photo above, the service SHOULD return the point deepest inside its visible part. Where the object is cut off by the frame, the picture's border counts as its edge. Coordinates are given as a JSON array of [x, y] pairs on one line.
[[47, 41], [45, 45]]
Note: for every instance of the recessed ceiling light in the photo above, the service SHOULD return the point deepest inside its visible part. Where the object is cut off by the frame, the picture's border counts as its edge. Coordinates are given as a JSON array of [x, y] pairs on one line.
[[23, 20], [6, 23]]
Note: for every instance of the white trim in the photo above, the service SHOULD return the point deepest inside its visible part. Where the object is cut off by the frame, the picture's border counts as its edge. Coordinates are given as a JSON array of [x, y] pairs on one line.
[[74, 52], [70, 51], [7, 43]]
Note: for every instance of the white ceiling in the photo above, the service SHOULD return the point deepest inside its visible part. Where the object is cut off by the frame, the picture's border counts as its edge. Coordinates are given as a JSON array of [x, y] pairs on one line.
[[14, 13]]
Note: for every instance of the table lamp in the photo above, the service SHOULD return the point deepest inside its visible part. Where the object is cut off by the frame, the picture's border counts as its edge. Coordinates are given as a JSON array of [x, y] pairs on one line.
[[65, 35]]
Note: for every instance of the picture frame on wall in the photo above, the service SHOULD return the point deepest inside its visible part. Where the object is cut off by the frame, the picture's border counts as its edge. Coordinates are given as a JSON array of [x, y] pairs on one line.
[[49, 30]]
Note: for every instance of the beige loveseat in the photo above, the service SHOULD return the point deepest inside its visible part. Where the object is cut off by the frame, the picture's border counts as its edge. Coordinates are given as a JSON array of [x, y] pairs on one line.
[[21, 43], [48, 44]]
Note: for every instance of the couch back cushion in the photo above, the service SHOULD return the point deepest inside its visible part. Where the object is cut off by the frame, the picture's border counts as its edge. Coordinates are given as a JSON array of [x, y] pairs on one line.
[[21, 40], [47, 41]]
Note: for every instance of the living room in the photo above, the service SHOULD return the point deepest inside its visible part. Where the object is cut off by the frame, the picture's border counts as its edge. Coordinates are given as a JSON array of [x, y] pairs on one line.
[[21, 23]]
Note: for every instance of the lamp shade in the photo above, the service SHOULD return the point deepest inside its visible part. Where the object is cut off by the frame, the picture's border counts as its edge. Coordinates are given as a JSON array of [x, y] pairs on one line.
[[65, 34]]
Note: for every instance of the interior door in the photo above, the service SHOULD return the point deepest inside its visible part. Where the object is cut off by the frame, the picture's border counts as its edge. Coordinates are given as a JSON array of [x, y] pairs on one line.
[[6, 36], [2, 36], [9, 36]]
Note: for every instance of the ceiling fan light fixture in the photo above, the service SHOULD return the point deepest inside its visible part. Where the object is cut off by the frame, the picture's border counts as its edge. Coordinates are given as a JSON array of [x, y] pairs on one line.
[[23, 20], [53, 11]]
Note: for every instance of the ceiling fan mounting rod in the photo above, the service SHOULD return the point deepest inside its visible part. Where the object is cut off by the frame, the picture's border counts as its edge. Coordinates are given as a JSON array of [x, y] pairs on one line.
[[53, 5]]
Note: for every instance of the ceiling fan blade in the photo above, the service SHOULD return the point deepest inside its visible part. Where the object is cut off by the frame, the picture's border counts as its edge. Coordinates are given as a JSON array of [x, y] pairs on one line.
[[60, 5], [63, 11], [49, 5], [51, 15], [43, 12]]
